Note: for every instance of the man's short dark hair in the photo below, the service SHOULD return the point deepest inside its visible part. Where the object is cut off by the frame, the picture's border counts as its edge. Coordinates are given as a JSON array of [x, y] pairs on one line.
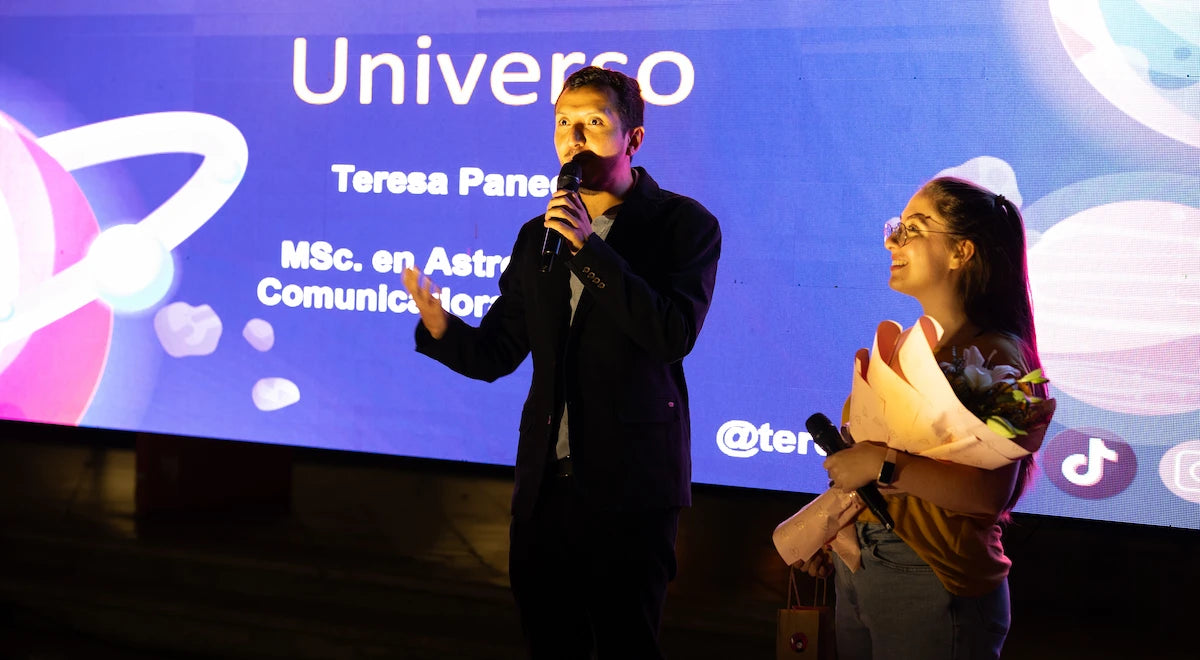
[[630, 105]]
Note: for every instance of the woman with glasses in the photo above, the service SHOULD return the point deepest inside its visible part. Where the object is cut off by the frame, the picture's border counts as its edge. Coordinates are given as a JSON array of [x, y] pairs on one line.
[[936, 587]]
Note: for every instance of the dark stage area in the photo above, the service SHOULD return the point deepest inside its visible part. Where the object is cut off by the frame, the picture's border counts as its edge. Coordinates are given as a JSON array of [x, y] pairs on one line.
[[251, 551]]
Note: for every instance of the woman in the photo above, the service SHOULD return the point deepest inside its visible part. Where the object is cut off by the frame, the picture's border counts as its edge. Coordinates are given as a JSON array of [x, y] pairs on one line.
[[937, 586]]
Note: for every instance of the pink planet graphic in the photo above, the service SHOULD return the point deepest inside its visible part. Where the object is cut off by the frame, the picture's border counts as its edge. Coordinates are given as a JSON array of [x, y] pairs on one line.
[[62, 277], [1116, 291], [51, 375]]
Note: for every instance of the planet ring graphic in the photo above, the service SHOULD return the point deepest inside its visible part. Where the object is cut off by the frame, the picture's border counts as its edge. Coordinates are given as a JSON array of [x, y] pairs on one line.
[[225, 155], [1140, 56]]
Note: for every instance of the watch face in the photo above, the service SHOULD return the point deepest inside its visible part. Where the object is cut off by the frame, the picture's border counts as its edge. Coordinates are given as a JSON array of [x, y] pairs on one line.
[[887, 471]]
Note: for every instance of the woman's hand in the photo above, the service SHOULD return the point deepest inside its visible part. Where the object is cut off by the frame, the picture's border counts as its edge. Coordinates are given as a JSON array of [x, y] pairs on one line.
[[819, 565], [856, 466]]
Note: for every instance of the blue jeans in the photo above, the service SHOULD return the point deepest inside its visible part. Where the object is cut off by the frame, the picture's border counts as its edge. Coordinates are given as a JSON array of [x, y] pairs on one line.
[[895, 608]]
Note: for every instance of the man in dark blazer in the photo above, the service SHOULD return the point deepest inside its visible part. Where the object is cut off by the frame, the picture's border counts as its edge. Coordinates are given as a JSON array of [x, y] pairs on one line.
[[603, 462]]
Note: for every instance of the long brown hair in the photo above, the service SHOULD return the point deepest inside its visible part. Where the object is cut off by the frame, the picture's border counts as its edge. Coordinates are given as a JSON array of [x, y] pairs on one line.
[[995, 283]]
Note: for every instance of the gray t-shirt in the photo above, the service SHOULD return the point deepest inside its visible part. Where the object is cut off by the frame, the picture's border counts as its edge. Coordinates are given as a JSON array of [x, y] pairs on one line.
[[600, 225]]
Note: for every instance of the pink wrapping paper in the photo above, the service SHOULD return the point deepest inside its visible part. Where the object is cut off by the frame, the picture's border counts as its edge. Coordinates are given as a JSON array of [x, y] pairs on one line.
[[900, 405], [827, 519]]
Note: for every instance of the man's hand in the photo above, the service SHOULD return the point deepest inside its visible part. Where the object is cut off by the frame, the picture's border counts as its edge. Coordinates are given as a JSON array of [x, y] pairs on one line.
[[422, 290], [566, 214]]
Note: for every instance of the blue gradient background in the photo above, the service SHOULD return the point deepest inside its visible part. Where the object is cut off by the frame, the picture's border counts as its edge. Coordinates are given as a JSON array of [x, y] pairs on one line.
[[810, 124]]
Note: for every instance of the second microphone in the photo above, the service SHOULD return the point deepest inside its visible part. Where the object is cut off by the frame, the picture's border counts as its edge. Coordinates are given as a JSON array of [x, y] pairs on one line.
[[826, 435]]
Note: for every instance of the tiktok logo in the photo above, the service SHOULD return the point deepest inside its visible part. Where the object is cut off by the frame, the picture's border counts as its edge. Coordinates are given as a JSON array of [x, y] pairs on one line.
[[1089, 463], [1086, 470]]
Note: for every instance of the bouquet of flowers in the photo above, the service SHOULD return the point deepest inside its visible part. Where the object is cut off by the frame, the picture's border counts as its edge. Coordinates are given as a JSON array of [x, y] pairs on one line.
[[959, 411], [903, 397], [1000, 396]]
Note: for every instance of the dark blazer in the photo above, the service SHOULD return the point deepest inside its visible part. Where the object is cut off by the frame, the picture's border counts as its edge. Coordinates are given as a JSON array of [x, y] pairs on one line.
[[619, 366]]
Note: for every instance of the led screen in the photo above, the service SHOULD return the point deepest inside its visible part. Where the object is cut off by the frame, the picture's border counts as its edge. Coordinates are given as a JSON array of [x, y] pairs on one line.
[[204, 208]]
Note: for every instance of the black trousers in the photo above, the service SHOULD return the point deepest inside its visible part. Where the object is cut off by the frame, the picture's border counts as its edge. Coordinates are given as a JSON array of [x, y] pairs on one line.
[[591, 581]]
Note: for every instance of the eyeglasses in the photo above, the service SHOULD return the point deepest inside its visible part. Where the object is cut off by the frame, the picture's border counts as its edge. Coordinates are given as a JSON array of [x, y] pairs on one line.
[[895, 229]]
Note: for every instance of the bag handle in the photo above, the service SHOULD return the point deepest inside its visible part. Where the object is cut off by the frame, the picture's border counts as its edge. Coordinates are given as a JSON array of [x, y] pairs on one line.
[[820, 591]]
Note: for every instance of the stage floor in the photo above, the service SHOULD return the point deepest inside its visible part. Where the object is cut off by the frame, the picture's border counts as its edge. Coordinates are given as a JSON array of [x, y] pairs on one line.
[[392, 558]]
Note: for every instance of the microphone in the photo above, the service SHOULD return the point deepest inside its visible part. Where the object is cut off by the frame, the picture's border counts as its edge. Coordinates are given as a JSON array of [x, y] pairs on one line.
[[569, 178], [826, 435]]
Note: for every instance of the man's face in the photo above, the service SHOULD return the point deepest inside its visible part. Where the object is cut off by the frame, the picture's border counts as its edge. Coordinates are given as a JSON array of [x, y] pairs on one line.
[[586, 119]]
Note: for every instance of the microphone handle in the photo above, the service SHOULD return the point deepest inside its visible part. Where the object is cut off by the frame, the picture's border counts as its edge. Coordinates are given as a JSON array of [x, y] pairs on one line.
[[826, 436], [874, 499], [551, 244], [569, 178]]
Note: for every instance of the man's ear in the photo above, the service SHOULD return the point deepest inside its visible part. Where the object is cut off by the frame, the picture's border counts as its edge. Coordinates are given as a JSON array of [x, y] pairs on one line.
[[964, 251], [635, 140]]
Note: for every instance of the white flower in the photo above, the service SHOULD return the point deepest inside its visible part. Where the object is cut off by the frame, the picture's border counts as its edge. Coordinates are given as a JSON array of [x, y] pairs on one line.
[[979, 376]]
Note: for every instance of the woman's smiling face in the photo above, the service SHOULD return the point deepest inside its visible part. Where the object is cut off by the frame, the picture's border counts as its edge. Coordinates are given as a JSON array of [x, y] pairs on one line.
[[924, 258]]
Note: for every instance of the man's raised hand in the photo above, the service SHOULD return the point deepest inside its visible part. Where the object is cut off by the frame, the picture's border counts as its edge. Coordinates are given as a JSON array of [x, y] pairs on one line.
[[423, 291]]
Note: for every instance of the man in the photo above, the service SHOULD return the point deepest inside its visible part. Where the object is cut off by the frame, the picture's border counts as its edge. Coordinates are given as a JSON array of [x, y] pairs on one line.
[[603, 462]]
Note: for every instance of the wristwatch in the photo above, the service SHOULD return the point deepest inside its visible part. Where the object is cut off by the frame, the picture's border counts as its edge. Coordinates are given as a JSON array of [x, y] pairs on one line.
[[887, 471]]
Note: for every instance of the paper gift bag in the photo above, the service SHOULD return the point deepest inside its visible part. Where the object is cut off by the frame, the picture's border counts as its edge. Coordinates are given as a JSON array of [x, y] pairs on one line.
[[805, 631]]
